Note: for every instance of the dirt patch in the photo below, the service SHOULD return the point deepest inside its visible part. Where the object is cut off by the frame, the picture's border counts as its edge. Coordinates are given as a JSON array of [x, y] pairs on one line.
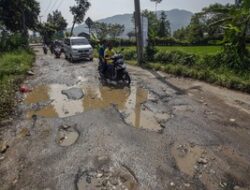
[[107, 178], [186, 158]]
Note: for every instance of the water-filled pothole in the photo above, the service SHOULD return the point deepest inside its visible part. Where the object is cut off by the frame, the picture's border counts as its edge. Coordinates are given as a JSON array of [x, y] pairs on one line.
[[67, 136], [129, 101]]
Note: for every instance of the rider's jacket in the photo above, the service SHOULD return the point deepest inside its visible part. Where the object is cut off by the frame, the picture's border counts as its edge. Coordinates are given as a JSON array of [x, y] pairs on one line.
[[108, 54]]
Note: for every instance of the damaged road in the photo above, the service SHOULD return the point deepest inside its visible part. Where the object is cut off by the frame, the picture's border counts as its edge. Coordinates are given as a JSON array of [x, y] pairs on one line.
[[72, 132]]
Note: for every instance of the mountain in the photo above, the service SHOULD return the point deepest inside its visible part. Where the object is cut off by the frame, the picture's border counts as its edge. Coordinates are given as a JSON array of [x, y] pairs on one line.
[[178, 19]]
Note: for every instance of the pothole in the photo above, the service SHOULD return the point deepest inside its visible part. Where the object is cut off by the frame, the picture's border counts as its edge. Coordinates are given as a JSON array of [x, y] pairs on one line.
[[129, 101], [112, 178], [67, 136], [186, 157]]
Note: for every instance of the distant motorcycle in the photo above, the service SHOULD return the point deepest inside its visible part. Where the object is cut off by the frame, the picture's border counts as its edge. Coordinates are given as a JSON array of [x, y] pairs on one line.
[[57, 52], [45, 50], [118, 73]]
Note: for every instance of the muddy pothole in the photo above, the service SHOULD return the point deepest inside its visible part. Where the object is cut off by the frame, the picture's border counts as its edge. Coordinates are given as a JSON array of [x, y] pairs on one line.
[[67, 136], [129, 101], [105, 179]]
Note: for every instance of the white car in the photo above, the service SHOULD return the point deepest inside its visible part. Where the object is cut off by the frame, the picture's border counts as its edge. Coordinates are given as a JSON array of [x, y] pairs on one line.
[[77, 48]]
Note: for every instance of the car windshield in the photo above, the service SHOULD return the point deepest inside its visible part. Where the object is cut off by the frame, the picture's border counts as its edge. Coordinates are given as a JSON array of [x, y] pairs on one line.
[[79, 42]]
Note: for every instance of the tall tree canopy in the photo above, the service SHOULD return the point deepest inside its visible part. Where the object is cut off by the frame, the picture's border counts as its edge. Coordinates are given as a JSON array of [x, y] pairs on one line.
[[19, 15], [164, 27], [235, 21], [153, 23], [79, 11], [89, 22], [57, 21], [116, 30], [104, 30]]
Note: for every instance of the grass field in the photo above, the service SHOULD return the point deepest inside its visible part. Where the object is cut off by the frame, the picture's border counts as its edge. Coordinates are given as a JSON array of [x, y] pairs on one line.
[[198, 50], [13, 67]]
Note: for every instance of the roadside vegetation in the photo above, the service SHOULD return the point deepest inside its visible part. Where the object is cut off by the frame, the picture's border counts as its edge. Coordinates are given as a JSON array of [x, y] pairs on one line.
[[213, 47], [16, 57], [13, 67]]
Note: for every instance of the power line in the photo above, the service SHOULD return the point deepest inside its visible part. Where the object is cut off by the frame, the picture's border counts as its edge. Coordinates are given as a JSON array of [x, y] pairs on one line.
[[48, 7], [60, 4], [53, 6]]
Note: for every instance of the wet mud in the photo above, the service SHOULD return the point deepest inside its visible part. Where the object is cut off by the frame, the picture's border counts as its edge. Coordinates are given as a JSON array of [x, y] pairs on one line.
[[129, 101]]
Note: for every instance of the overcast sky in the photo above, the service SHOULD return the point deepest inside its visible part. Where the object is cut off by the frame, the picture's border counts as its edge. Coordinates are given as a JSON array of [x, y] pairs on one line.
[[105, 8]]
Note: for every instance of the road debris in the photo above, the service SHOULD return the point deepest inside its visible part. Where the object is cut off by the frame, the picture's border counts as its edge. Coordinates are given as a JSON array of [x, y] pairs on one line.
[[73, 93], [24, 89], [3, 147], [30, 73]]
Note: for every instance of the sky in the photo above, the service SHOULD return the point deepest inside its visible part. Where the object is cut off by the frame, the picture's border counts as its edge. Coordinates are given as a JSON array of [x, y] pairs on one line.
[[105, 8]]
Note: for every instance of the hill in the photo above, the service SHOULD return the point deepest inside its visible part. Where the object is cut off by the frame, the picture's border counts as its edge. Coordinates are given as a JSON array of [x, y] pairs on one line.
[[178, 18]]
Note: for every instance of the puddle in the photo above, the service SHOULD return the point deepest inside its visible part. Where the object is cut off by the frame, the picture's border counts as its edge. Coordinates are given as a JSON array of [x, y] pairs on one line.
[[129, 101], [186, 157], [67, 136]]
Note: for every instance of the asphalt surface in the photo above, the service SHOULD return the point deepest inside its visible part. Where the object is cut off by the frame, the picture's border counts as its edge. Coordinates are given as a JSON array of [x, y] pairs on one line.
[[161, 133]]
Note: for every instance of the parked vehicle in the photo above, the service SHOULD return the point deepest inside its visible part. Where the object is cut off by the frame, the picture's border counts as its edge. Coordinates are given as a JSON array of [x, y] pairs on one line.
[[118, 73], [77, 48]]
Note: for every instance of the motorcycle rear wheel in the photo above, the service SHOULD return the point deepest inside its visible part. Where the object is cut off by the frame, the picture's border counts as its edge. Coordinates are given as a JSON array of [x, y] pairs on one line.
[[126, 79]]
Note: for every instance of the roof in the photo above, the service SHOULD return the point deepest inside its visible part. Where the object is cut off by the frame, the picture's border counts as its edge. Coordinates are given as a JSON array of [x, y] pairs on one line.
[[76, 37]]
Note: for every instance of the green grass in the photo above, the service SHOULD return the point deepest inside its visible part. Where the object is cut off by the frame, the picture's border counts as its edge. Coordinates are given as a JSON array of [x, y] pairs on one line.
[[220, 76], [198, 50], [13, 67]]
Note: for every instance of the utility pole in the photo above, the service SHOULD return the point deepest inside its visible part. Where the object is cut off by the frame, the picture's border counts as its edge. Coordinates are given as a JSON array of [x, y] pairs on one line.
[[138, 30]]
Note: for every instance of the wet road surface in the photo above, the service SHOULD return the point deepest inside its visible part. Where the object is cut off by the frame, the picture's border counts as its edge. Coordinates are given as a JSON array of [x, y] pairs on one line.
[[161, 133]]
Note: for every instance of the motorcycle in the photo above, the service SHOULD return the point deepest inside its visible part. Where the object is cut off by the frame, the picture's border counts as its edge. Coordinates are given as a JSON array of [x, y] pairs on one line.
[[57, 52], [45, 50], [117, 73]]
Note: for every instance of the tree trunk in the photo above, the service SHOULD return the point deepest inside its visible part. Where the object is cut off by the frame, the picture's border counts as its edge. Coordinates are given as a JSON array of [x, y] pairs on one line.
[[72, 29]]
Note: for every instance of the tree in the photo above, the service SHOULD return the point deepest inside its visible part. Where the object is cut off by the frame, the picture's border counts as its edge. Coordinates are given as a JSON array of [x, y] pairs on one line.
[[101, 29], [47, 31], [195, 30], [235, 22], [79, 11], [181, 34], [153, 23], [89, 23], [164, 28], [115, 30], [156, 3], [19, 15], [57, 21], [131, 34]]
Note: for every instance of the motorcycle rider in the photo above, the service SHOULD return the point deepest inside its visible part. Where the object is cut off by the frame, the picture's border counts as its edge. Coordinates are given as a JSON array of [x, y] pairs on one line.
[[101, 52], [45, 48], [108, 54]]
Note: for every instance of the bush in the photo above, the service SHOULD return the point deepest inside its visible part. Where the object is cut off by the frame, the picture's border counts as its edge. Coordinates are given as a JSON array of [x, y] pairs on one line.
[[15, 63], [13, 66], [129, 54], [176, 57], [10, 42], [150, 52]]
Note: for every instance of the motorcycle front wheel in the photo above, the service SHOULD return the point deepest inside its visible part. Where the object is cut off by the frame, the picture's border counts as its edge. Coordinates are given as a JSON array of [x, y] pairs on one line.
[[126, 78]]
